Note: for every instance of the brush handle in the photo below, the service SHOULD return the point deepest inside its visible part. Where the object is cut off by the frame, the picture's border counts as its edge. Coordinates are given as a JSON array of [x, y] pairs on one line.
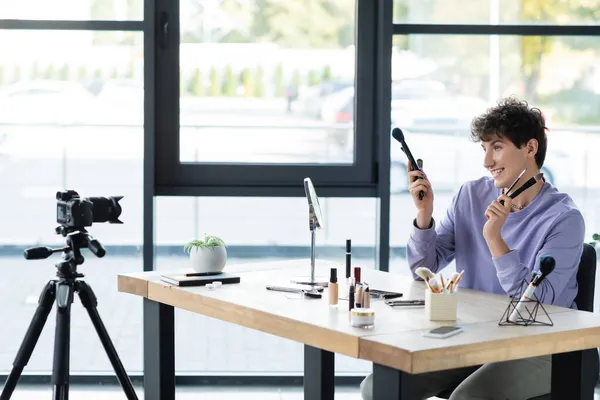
[[414, 166], [523, 188]]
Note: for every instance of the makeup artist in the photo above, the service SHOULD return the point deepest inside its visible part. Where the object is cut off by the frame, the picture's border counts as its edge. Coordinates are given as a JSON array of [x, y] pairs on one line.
[[499, 245]]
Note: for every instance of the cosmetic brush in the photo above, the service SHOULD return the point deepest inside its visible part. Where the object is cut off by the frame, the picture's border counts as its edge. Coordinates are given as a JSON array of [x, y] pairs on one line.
[[513, 184], [452, 280], [547, 265], [526, 185], [428, 277], [424, 273]]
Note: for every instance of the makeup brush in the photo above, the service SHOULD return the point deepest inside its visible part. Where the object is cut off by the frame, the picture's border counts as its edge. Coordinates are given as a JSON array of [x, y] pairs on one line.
[[428, 277], [513, 184], [547, 264], [452, 281], [526, 185], [425, 273]]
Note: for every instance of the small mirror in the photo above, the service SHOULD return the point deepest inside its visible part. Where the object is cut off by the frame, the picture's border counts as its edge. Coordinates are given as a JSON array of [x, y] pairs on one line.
[[315, 221], [314, 209]]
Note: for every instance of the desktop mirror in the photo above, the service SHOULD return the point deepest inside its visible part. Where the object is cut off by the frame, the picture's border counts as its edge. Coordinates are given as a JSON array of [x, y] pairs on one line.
[[314, 209], [315, 221]]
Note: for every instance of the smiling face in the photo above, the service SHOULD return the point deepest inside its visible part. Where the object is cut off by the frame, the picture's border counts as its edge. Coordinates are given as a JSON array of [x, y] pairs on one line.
[[505, 161]]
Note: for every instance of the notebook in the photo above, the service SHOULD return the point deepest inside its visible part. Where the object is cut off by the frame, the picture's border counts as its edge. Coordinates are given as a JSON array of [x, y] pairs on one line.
[[191, 279]]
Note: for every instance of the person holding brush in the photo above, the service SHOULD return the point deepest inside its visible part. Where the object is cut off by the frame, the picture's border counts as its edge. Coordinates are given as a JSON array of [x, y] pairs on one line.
[[496, 229]]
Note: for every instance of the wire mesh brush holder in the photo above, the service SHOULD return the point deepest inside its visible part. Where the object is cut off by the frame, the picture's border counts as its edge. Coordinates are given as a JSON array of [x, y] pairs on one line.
[[526, 311]]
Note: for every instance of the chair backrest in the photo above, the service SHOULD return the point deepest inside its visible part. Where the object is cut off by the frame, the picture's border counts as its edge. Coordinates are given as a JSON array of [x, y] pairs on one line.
[[586, 279]]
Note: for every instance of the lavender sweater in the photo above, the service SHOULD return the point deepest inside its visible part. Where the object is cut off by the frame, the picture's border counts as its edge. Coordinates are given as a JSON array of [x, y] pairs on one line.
[[550, 225]]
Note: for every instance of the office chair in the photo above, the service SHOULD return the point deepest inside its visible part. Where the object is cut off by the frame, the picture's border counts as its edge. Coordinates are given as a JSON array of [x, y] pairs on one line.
[[586, 282]]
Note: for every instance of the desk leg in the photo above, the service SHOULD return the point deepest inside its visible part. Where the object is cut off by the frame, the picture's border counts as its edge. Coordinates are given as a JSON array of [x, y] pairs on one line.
[[159, 351], [571, 377], [319, 374], [392, 384]]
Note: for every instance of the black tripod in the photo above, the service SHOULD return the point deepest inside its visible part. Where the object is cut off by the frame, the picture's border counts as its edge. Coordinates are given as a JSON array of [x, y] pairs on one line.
[[62, 290]]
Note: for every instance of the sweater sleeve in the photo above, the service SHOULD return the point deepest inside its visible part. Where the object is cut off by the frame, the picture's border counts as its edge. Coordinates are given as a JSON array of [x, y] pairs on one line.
[[564, 243], [433, 247]]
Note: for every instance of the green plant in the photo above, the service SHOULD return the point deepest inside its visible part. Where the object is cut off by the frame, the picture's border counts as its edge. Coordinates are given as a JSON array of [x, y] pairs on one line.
[[209, 241], [595, 238]]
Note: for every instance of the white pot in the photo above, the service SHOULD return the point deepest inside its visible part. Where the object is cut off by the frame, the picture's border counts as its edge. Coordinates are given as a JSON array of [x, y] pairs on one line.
[[208, 259]]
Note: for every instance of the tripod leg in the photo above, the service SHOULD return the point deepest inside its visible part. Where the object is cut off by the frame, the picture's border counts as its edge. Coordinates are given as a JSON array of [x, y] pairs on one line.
[[30, 340], [62, 340], [89, 301]]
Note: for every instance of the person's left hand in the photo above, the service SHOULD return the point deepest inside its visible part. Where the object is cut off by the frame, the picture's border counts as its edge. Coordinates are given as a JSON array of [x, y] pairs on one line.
[[496, 214]]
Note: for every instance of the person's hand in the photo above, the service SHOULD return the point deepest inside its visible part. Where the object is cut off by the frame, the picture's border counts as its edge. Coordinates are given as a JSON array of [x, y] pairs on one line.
[[496, 215], [418, 181]]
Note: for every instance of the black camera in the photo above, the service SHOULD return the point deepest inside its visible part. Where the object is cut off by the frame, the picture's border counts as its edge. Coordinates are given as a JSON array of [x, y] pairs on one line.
[[73, 211]]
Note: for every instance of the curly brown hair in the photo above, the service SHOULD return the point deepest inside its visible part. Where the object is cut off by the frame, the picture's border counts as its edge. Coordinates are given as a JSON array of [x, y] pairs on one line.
[[513, 119]]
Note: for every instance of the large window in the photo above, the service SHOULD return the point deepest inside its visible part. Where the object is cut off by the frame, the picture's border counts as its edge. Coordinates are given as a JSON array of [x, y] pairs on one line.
[[267, 82], [75, 10], [524, 12], [459, 77], [71, 104], [267, 97], [256, 230]]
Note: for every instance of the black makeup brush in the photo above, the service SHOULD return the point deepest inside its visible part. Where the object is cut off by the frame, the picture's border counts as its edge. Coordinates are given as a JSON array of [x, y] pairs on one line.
[[527, 185], [399, 136], [513, 184], [547, 265]]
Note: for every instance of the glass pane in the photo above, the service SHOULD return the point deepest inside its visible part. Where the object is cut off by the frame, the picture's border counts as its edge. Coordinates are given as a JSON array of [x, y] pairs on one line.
[[61, 128], [560, 75], [73, 10], [267, 82], [584, 12], [256, 230]]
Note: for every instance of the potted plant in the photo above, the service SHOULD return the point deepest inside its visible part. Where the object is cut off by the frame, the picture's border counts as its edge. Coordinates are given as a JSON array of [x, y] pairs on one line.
[[208, 255]]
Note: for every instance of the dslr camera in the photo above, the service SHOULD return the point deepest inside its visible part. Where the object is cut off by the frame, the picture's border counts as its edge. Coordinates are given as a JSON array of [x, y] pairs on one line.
[[73, 211]]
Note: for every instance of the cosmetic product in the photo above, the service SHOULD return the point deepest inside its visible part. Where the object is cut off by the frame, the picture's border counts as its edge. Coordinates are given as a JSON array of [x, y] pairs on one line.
[[514, 183], [362, 318], [348, 257], [359, 295], [405, 303], [293, 289], [547, 264], [527, 185], [351, 296], [384, 294], [357, 274], [366, 298], [333, 287], [414, 166]]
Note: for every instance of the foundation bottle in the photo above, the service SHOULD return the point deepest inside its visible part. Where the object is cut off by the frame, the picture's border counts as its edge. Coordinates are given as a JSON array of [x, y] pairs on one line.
[[333, 287]]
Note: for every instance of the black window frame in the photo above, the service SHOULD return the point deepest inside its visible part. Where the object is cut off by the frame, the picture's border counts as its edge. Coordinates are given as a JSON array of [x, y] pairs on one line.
[[359, 179]]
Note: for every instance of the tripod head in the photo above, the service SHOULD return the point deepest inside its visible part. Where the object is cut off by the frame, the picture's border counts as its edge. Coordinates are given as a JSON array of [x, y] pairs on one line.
[[77, 238]]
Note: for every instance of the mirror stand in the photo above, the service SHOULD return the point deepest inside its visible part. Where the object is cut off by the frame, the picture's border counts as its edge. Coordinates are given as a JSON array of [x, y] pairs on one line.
[[312, 280]]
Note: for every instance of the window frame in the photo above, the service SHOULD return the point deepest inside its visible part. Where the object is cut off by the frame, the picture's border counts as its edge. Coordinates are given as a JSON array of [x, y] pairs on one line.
[[244, 179]]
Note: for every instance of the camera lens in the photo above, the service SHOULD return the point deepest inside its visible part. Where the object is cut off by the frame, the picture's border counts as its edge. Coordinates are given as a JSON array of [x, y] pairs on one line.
[[106, 209]]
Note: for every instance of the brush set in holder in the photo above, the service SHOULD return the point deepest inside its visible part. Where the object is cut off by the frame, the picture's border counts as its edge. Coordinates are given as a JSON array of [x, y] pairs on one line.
[[440, 295]]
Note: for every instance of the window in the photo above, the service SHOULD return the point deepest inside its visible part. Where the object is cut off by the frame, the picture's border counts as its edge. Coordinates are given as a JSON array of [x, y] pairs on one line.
[[60, 128], [256, 230], [75, 10], [266, 99], [558, 74], [495, 11], [269, 82]]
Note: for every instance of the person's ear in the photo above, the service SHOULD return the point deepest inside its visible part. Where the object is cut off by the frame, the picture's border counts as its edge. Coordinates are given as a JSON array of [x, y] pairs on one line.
[[532, 147]]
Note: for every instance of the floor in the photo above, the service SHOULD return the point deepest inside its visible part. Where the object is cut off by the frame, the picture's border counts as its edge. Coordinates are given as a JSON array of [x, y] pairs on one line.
[[189, 393]]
